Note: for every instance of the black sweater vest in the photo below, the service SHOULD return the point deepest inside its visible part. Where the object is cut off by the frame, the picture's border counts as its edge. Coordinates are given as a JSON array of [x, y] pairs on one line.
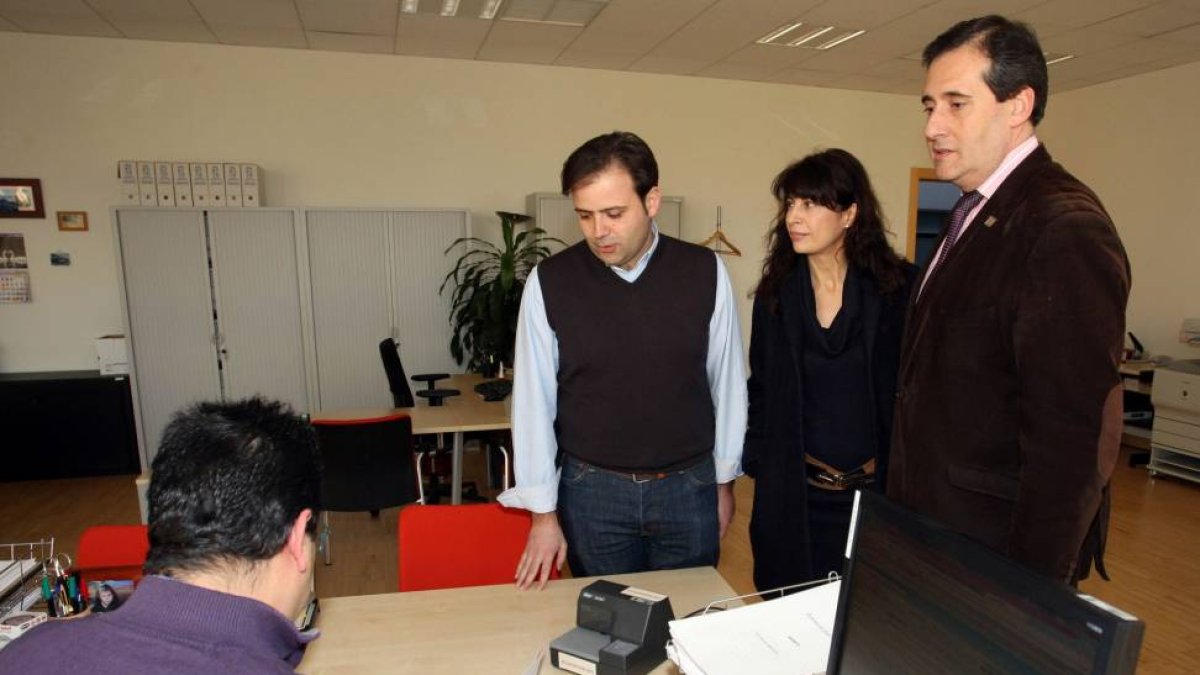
[[633, 390]]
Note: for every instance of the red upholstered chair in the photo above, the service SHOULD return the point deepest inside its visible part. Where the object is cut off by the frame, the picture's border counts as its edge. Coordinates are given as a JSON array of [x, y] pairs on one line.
[[456, 546], [112, 552]]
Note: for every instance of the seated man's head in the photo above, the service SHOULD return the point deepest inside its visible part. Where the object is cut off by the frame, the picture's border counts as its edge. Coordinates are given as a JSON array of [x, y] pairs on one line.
[[234, 499]]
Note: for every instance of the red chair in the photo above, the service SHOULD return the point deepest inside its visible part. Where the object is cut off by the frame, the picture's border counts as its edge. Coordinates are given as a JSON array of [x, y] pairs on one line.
[[112, 552], [456, 546]]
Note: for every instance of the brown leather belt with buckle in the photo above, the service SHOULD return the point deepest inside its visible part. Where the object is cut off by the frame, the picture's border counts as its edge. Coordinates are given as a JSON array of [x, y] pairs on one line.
[[826, 477]]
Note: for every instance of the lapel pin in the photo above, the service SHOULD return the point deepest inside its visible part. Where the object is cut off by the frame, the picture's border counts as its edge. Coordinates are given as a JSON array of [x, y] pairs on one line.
[[991, 220]]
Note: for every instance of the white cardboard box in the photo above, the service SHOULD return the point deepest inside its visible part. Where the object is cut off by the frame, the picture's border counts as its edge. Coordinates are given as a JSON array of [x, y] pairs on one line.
[[112, 355]]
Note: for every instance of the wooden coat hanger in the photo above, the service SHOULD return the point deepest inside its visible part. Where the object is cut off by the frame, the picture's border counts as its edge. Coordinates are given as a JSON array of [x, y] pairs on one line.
[[718, 242]]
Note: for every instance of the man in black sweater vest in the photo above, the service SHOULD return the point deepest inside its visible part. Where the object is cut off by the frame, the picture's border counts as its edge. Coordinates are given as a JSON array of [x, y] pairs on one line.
[[630, 400]]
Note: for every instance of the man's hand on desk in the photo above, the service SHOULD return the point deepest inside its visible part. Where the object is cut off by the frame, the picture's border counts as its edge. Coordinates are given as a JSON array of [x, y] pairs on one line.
[[725, 507], [546, 549]]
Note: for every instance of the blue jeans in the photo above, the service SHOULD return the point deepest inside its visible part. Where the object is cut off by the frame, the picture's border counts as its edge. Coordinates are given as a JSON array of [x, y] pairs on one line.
[[615, 525]]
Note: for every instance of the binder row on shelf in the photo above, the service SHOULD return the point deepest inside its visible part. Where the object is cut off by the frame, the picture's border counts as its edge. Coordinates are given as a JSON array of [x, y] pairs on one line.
[[189, 184]]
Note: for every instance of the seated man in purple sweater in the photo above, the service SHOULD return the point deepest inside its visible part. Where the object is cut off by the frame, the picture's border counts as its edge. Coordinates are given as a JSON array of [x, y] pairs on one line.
[[233, 510]]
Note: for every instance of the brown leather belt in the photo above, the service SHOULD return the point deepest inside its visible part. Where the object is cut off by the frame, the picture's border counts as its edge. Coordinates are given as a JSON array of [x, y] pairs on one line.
[[826, 477]]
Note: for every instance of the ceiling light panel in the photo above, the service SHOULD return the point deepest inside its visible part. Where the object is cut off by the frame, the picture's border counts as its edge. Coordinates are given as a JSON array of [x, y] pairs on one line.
[[810, 36], [779, 33], [839, 39], [490, 9], [806, 36]]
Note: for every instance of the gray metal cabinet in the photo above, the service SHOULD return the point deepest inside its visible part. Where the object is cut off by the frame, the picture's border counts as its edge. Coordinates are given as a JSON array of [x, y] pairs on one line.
[[212, 309], [376, 274]]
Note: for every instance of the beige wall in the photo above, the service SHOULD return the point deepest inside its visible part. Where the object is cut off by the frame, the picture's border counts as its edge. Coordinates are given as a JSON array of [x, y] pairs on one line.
[[351, 129], [1135, 142]]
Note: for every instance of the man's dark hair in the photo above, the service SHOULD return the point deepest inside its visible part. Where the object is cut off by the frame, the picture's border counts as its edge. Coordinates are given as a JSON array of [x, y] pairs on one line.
[[227, 484], [619, 147], [1012, 46]]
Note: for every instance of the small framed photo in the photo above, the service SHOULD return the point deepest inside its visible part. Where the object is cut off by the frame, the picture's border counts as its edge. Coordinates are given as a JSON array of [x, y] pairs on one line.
[[72, 221], [21, 198]]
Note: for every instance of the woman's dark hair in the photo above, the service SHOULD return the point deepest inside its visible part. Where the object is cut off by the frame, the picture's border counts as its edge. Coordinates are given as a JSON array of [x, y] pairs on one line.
[[618, 147], [836, 180], [227, 484], [1012, 46]]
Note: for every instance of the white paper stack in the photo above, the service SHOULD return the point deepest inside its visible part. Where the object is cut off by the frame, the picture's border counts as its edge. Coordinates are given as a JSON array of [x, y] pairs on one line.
[[787, 636]]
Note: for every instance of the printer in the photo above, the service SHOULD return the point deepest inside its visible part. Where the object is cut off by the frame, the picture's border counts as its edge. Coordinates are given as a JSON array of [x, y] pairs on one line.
[[620, 630], [1175, 439]]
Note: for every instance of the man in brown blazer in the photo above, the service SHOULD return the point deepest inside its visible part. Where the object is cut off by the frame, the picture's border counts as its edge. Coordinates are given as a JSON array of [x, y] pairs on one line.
[[1008, 412]]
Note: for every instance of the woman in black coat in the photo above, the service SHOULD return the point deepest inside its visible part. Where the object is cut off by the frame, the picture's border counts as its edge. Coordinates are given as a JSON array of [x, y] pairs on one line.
[[824, 350]]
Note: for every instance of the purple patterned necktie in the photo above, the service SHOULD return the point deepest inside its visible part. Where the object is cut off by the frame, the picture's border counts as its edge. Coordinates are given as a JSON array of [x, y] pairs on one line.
[[958, 215]]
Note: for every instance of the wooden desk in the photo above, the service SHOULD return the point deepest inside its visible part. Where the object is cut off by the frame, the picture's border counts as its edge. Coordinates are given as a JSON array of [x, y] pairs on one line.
[[457, 414], [487, 629]]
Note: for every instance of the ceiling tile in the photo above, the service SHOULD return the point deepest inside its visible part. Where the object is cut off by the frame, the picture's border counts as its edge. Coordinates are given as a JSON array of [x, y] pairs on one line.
[[967, 9], [738, 71], [257, 36], [169, 31], [899, 68], [250, 13], [63, 7], [1159, 18], [802, 76], [1084, 41], [860, 14], [438, 36], [1145, 51], [579, 12], [368, 17], [1189, 34], [1078, 14], [164, 10], [350, 42], [62, 24], [724, 28], [524, 42], [774, 56], [861, 82], [627, 30], [669, 65], [529, 10]]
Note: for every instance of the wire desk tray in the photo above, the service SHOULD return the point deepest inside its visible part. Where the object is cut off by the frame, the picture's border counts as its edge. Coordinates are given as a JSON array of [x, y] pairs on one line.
[[20, 584]]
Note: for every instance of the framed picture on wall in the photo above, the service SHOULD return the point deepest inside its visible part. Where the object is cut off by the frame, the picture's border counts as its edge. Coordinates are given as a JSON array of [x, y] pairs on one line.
[[72, 221], [21, 198]]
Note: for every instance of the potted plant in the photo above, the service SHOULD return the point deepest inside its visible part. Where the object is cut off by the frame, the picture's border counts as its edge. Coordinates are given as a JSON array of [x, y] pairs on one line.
[[487, 281]]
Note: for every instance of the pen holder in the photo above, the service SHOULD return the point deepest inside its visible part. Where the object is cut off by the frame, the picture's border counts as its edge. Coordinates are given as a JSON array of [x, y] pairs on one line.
[[61, 589]]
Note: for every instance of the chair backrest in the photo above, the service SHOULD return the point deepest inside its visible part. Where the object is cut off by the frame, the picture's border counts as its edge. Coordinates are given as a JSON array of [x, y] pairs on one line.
[[397, 381], [367, 464], [112, 552], [456, 546]]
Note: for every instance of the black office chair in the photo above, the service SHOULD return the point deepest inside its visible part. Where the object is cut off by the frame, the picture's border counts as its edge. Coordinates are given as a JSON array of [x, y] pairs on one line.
[[398, 383], [367, 465], [430, 447]]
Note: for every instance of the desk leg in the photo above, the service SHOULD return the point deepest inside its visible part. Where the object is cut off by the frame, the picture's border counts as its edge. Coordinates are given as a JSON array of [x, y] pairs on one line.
[[456, 470]]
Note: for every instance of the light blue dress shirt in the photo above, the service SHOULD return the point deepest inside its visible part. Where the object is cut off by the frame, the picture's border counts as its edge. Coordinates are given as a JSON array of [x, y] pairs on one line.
[[535, 390]]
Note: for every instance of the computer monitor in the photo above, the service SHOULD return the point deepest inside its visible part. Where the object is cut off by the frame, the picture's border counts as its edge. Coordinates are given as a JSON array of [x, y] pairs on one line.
[[919, 598]]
